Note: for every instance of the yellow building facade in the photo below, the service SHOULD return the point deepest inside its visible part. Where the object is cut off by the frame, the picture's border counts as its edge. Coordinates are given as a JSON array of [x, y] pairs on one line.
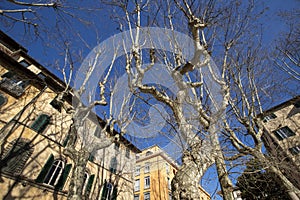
[[34, 131], [282, 137], [153, 175]]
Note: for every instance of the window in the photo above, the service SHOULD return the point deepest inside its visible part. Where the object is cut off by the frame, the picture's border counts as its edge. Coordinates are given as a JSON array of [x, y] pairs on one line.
[[3, 100], [13, 84], [97, 132], [167, 168], [147, 182], [148, 153], [113, 165], [169, 183], [117, 146], [147, 196], [40, 124], [42, 76], [24, 63], [127, 153], [137, 157], [137, 170], [109, 192], [88, 182], [54, 173], [283, 133], [295, 150], [57, 104], [136, 197], [137, 185], [269, 117], [16, 155], [147, 168], [297, 104]]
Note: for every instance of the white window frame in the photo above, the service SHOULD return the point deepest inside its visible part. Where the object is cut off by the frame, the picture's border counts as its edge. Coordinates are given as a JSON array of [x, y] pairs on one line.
[[147, 196], [147, 168], [137, 170], [137, 185], [147, 182], [57, 167]]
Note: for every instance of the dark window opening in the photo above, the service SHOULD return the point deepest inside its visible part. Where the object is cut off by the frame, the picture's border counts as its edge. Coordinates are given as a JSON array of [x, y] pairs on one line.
[[13, 84], [269, 117], [297, 104], [283, 133], [3, 100], [295, 150], [24, 63], [113, 165]]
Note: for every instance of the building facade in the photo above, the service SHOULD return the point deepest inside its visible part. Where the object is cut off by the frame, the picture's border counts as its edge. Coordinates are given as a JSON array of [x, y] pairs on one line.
[[282, 137], [34, 131], [153, 174]]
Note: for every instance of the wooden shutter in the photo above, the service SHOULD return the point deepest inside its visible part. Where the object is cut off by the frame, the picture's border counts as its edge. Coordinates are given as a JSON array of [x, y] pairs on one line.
[[104, 191], [40, 123], [45, 169], [114, 193], [90, 184]]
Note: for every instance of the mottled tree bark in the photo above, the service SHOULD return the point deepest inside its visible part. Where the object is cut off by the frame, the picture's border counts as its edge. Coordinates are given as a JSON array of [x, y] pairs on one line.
[[185, 184], [80, 159]]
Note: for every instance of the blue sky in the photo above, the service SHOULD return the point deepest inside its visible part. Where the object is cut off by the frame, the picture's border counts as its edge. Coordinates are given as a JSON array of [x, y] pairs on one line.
[[47, 53]]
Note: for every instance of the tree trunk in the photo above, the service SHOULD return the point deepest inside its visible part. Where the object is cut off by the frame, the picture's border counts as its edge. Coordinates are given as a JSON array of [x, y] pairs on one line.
[[77, 180], [185, 184], [225, 182]]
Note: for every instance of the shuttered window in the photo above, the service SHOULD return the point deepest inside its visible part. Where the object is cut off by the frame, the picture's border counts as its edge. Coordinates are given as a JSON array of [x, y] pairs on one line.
[[16, 155], [54, 173], [40, 124]]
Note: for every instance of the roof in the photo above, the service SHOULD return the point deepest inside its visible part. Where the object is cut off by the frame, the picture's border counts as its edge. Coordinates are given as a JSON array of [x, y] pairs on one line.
[[280, 106]]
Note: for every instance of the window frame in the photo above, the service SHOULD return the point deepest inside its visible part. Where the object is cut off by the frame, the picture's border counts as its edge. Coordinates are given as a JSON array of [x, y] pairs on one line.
[[137, 185], [113, 165], [137, 170], [269, 117], [283, 133], [147, 194], [136, 197], [147, 168], [54, 175], [127, 153], [295, 150], [147, 182]]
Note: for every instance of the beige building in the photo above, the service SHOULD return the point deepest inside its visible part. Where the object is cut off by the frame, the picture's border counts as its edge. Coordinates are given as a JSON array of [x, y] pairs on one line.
[[153, 174], [34, 132], [282, 137]]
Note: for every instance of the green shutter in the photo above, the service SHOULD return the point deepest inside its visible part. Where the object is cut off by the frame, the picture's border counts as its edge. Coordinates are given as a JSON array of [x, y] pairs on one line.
[[114, 193], [40, 123], [90, 184], [91, 157], [66, 140], [104, 191], [45, 169], [63, 178]]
